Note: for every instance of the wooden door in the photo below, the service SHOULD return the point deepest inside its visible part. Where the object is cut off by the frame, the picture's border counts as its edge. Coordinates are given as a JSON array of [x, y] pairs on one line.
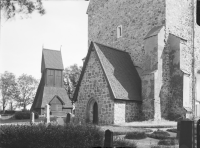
[[95, 113]]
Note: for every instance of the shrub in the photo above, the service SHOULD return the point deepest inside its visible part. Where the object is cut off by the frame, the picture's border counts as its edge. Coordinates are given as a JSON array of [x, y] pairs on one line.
[[119, 142], [168, 142], [158, 146], [159, 134], [51, 136], [8, 112], [155, 146], [173, 130], [24, 115], [125, 131], [135, 135]]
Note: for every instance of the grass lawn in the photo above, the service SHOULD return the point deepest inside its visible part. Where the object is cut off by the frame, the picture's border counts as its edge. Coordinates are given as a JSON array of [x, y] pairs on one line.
[[11, 120], [17, 121], [120, 132]]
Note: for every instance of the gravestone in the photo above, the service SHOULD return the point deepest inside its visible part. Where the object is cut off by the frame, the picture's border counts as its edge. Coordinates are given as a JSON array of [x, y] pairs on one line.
[[198, 133], [68, 118], [179, 127], [186, 134], [108, 142], [47, 113], [60, 121]]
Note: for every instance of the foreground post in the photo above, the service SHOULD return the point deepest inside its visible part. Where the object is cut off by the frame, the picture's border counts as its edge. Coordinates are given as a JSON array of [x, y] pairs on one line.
[[186, 134], [198, 133], [108, 142], [32, 117], [178, 129], [47, 113], [68, 118]]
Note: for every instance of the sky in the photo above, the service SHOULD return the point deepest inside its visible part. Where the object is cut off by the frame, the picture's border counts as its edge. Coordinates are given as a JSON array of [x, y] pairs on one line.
[[64, 26]]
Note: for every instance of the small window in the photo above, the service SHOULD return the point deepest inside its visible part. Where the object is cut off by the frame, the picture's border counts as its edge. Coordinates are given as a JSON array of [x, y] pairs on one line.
[[119, 31]]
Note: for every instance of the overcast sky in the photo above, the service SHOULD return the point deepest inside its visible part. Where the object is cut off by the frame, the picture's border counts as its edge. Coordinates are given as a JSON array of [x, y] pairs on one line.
[[64, 24]]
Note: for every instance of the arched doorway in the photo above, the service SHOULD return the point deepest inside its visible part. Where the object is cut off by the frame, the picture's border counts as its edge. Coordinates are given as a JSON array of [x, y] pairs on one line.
[[95, 113], [92, 112]]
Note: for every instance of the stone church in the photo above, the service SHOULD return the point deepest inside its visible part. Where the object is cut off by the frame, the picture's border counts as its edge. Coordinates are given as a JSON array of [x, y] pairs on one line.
[[141, 61]]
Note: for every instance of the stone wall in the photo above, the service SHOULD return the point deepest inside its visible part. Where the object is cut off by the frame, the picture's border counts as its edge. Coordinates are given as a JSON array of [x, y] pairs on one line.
[[94, 85], [148, 96], [126, 111], [133, 111], [137, 18], [181, 25]]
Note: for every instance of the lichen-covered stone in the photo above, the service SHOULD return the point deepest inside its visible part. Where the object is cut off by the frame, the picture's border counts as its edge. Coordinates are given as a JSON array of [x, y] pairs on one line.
[[94, 85], [160, 63]]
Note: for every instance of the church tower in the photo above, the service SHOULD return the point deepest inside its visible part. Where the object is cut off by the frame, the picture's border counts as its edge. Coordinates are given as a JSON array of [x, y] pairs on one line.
[[51, 90]]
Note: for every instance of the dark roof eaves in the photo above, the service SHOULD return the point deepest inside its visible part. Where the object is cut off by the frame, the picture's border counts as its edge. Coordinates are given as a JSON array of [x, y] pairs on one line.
[[150, 36], [129, 100], [51, 50], [54, 68]]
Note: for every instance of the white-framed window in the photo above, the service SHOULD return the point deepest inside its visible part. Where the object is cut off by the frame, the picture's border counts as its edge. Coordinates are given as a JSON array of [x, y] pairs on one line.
[[198, 87], [119, 31], [186, 90], [197, 109]]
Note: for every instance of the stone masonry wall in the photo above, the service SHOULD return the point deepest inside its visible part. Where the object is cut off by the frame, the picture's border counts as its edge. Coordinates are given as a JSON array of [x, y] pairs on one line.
[[125, 111], [137, 18], [133, 111], [94, 85], [148, 96], [181, 25]]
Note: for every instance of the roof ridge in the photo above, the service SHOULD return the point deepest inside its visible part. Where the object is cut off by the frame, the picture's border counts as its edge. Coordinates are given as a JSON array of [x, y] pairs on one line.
[[51, 49], [112, 47]]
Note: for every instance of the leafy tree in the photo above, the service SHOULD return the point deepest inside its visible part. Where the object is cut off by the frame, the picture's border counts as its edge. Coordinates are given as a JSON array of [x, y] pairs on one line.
[[27, 86], [7, 86], [71, 76], [13, 7]]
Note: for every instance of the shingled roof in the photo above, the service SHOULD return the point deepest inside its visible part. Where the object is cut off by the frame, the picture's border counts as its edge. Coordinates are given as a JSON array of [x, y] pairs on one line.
[[121, 75], [51, 59], [47, 95]]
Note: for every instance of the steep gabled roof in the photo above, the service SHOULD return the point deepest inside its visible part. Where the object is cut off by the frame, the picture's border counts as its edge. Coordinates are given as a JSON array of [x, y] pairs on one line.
[[56, 98], [121, 75], [49, 93], [51, 59], [45, 95]]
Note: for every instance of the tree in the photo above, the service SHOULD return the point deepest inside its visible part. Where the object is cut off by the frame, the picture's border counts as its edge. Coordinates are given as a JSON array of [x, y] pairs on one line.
[[7, 85], [27, 86], [13, 7], [71, 76]]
